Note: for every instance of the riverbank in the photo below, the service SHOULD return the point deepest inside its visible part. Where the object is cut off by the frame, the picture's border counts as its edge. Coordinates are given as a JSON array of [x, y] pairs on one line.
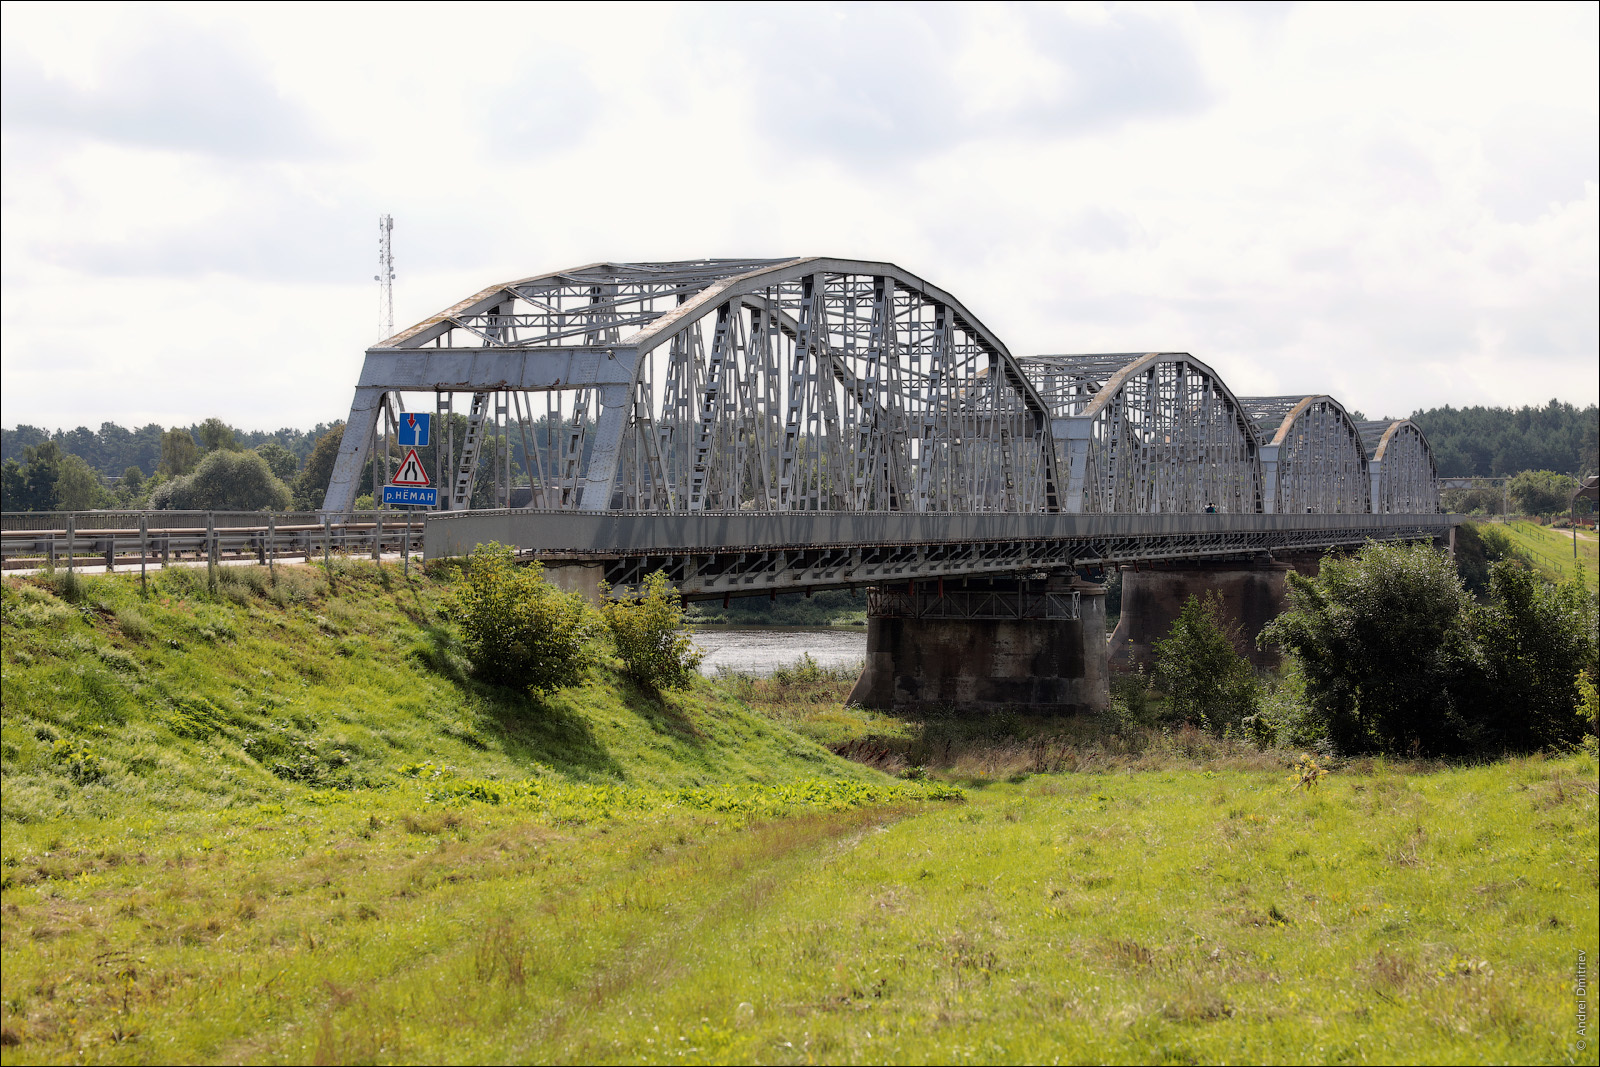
[[278, 822]]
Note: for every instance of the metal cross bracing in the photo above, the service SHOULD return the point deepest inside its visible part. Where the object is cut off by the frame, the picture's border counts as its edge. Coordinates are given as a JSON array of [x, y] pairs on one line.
[[755, 385], [1150, 433], [825, 385], [1404, 477], [1312, 455]]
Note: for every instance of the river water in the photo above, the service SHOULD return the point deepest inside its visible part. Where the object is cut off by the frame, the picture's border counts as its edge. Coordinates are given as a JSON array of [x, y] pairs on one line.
[[765, 650]]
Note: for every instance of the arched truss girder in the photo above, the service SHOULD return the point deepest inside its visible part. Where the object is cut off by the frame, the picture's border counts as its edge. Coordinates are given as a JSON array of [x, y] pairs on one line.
[[1157, 432], [766, 385], [1312, 456], [1405, 479]]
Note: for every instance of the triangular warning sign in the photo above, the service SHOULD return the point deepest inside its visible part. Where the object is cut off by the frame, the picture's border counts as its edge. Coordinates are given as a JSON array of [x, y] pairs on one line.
[[410, 472]]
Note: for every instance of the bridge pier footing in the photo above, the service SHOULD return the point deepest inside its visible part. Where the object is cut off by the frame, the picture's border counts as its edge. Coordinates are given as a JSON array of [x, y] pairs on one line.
[[1033, 646], [1253, 593]]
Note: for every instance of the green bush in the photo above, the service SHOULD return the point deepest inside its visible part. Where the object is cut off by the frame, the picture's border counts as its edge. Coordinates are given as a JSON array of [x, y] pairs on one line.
[[1199, 668], [1396, 659], [1532, 638], [519, 630], [1381, 640], [225, 481], [647, 630]]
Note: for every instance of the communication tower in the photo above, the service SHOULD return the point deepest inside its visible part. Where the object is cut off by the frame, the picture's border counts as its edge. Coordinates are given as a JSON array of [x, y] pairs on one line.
[[385, 277]]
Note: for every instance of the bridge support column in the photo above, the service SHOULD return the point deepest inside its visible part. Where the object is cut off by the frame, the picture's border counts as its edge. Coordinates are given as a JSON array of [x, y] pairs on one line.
[[573, 577], [1033, 646], [1253, 594]]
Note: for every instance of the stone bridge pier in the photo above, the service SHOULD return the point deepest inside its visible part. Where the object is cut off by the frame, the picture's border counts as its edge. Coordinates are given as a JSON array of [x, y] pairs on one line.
[[1254, 592], [1036, 646]]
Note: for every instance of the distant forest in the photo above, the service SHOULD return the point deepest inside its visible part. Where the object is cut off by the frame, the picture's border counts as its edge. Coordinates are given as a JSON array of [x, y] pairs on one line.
[[112, 450], [1475, 441], [1490, 442]]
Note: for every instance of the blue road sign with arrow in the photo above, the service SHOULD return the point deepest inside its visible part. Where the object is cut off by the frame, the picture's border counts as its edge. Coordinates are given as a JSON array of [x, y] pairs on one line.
[[414, 429]]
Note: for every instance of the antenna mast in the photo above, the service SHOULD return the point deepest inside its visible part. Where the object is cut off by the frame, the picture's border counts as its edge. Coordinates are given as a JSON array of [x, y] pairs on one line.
[[385, 277]]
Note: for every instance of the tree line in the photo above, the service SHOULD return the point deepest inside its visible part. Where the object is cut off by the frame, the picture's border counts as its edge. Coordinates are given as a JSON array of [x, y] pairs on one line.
[[76, 470], [1479, 442], [215, 467], [208, 467]]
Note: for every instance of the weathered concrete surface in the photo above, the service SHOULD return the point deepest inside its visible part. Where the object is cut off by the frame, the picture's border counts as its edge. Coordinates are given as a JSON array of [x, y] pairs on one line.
[[1253, 594], [582, 578], [1048, 666]]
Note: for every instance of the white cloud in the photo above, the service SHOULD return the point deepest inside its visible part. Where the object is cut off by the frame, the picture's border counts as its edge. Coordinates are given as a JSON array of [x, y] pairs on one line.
[[1396, 205]]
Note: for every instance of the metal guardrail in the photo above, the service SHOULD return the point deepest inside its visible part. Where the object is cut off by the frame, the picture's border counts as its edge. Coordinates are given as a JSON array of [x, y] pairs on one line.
[[80, 540]]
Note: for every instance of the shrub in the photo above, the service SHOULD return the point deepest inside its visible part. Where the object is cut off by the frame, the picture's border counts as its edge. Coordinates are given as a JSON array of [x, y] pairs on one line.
[[519, 630], [224, 481], [1533, 638], [1200, 669], [1381, 641], [647, 630]]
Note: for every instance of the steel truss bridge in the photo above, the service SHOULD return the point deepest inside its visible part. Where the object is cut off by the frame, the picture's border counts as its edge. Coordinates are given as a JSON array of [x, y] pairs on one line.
[[802, 423]]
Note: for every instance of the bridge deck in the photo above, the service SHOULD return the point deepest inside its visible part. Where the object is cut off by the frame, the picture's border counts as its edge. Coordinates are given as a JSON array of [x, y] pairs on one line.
[[741, 553]]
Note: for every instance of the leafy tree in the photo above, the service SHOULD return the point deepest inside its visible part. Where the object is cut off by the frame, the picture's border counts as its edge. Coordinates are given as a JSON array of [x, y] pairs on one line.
[[282, 462], [1481, 499], [132, 480], [1199, 667], [517, 628], [1540, 492], [13, 487], [179, 453], [218, 436], [31, 484], [1381, 640], [1535, 638], [225, 481], [1478, 547], [647, 630], [312, 485], [78, 487]]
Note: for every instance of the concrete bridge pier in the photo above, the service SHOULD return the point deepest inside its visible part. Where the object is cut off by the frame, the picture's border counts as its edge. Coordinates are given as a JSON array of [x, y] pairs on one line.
[[984, 645], [575, 576], [1254, 592]]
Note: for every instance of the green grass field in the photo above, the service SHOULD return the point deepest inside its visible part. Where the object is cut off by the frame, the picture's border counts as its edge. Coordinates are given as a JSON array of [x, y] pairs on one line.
[[277, 823], [1552, 553]]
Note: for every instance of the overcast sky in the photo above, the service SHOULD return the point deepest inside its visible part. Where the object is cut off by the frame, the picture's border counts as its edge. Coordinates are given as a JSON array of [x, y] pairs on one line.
[[1396, 205]]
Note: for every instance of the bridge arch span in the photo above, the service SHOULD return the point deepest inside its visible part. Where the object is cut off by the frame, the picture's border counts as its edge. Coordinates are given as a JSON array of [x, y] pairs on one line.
[[722, 385], [1312, 456], [1405, 479], [1151, 433]]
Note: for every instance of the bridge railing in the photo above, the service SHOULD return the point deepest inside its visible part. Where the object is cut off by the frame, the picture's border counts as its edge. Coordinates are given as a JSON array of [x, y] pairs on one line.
[[108, 540]]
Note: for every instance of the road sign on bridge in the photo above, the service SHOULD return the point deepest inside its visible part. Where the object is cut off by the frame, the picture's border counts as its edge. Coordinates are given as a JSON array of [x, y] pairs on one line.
[[411, 496], [414, 429], [411, 471]]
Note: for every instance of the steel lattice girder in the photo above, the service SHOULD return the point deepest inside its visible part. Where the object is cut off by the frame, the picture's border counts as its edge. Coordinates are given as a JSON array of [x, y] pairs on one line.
[[766, 385], [1312, 455], [1404, 476], [778, 386], [713, 555], [1152, 433]]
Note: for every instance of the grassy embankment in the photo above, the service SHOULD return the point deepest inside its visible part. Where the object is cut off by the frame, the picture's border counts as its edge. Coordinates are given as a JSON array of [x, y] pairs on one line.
[[278, 824], [1551, 551]]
